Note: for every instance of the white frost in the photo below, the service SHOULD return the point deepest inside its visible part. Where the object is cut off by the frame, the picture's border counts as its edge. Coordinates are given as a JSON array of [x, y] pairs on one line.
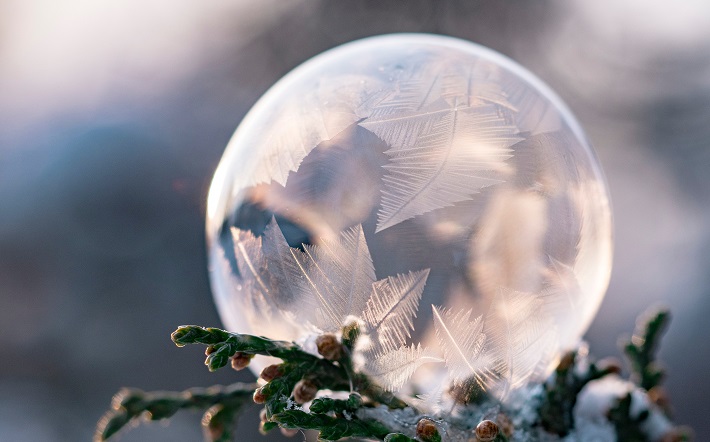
[[463, 343], [454, 159], [394, 368], [392, 307], [522, 337]]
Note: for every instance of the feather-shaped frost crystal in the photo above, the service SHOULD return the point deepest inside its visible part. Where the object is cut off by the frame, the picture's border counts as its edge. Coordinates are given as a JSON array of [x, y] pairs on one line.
[[427, 189], [463, 344], [394, 368]]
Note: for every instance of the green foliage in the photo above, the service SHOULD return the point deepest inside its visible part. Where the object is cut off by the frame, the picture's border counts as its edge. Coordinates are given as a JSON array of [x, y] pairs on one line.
[[646, 372], [556, 410], [628, 428], [223, 345], [398, 437], [641, 349], [330, 427], [223, 403], [327, 405], [301, 374], [334, 419]]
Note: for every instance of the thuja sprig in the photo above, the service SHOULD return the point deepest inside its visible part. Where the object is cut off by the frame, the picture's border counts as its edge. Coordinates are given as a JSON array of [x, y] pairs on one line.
[[570, 377], [288, 385], [556, 410], [338, 406], [335, 418], [398, 437], [298, 378], [331, 427], [224, 345], [628, 427], [336, 374], [222, 405], [641, 349]]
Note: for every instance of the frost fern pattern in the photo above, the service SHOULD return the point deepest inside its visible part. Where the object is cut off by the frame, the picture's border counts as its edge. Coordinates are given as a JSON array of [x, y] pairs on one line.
[[449, 132], [333, 284], [447, 139]]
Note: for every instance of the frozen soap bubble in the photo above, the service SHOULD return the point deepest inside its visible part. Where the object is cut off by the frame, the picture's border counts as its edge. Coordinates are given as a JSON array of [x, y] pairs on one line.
[[427, 188]]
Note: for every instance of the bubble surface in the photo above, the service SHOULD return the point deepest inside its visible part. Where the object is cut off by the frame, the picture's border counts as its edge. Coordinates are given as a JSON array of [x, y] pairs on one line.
[[427, 188]]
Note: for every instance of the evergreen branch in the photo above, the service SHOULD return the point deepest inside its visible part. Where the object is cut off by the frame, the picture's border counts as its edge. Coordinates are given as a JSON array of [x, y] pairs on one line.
[[379, 394], [225, 345], [398, 437], [278, 391], [628, 428], [641, 349], [301, 375], [560, 397], [130, 404], [219, 422], [331, 428], [327, 405], [333, 418]]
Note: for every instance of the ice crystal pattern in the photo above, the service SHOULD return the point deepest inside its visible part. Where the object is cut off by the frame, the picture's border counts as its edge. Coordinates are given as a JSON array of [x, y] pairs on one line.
[[334, 283], [445, 133], [391, 308], [426, 188], [463, 343], [303, 122], [394, 368], [521, 336], [329, 284]]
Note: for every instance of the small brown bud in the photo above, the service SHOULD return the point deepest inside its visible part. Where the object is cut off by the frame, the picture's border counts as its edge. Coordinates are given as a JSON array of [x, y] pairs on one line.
[[240, 361], [486, 431], [329, 347], [209, 350], [259, 397], [289, 432], [427, 430], [271, 372], [304, 391], [505, 424], [610, 365]]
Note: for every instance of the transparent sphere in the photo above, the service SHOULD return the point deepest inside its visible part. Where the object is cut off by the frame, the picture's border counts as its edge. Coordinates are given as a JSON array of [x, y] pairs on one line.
[[431, 191]]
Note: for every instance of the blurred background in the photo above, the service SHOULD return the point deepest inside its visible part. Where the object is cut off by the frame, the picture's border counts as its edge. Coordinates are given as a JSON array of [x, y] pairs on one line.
[[114, 115]]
